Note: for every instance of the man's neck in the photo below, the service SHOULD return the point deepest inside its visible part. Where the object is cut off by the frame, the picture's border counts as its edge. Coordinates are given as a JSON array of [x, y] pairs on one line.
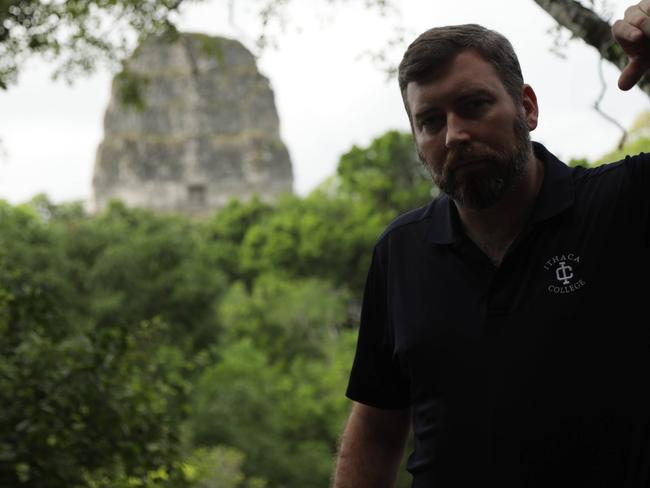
[[494, 229]]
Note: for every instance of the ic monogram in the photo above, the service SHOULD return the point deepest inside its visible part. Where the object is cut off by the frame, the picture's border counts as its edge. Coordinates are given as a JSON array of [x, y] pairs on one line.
[[564, 266], [564, 273]]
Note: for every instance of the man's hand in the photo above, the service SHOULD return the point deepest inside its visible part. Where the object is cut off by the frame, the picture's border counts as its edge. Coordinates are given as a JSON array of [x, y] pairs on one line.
[[632, 32]]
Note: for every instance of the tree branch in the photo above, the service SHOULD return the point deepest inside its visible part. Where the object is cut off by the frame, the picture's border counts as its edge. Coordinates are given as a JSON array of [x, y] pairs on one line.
[[588, 26], [612, 120]]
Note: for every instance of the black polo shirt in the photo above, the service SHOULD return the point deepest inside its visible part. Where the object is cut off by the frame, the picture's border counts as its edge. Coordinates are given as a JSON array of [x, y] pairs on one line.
[[535, 373]]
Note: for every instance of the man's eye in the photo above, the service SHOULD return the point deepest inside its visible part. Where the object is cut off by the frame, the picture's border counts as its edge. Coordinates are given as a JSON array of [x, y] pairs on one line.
[[432, 123], [475, 106]]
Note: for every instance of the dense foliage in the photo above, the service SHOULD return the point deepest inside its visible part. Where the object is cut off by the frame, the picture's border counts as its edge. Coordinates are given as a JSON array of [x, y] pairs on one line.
[[151, 350]]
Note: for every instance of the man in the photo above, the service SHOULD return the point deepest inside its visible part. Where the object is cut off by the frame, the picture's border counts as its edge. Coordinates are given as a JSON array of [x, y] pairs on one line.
[[507, 321]]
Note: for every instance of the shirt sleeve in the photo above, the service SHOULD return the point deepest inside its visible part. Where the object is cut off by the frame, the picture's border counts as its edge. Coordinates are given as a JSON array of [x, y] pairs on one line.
[[639, 169], [377, 378]]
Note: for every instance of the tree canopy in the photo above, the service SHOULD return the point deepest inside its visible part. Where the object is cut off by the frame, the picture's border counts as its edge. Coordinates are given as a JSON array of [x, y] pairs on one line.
[[77, 35]]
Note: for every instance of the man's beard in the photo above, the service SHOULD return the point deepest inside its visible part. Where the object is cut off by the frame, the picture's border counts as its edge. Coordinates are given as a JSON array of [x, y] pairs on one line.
[[483, 188]]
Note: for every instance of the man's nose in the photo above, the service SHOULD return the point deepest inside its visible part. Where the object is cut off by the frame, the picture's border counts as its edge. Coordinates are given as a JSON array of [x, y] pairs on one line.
[[456, 131]]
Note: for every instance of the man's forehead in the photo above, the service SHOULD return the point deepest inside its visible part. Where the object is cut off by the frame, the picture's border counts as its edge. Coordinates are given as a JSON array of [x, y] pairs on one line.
[[461, 76]]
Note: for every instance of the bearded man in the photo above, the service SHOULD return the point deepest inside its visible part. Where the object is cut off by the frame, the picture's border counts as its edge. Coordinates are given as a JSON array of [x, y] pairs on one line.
[[506, 321]]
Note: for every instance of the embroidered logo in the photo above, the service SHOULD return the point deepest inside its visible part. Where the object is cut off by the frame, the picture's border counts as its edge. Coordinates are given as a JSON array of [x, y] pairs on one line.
[[564, 273], [564, 268]]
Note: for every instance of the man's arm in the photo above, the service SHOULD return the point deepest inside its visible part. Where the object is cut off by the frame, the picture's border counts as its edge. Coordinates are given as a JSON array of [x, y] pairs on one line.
[[371, 448], [632, 32]]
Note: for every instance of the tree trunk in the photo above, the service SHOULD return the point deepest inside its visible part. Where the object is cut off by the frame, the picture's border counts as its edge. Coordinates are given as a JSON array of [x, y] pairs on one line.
[[588, 26]]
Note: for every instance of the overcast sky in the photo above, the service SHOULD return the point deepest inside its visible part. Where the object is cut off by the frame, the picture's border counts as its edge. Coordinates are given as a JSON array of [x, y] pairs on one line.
[[329, 96]]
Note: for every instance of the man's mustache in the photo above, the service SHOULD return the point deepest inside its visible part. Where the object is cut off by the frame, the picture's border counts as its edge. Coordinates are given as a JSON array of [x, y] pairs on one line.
[[468, 154]]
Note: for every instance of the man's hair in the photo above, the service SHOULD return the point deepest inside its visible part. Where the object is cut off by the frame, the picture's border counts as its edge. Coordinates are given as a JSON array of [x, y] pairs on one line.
[[433, 49]]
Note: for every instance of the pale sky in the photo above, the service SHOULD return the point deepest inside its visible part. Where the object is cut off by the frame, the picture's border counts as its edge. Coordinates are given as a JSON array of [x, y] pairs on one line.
[[328, 95]]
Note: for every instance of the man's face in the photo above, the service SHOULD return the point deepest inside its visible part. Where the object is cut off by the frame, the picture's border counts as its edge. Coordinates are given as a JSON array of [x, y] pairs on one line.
[[468, 131]]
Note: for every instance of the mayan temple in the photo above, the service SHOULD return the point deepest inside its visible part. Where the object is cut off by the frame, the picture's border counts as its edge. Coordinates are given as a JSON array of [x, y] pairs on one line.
[[208, 130]]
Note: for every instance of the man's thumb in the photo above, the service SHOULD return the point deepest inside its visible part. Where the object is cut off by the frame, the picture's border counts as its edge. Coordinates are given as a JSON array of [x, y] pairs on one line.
[[631, 74]]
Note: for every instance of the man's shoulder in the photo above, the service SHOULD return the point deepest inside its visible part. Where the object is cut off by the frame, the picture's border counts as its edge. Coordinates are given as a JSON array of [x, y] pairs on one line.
[[622, 168], [624, 181], [586, 174]]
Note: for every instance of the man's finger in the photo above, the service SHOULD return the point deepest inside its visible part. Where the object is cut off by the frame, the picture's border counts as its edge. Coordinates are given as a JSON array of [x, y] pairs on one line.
[[626, 33], [644, 6], [639, 18], [632, 73], [633, 35]]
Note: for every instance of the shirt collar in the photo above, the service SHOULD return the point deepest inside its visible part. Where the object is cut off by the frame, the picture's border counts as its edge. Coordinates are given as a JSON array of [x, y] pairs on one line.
[[555, 195]]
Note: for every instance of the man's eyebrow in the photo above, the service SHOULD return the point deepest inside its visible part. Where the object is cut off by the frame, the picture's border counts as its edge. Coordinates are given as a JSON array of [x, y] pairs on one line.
[[473, 92], [427, 110]]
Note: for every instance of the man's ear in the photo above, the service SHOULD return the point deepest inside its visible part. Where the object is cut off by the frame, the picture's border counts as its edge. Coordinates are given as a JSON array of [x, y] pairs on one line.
[[529, 103]]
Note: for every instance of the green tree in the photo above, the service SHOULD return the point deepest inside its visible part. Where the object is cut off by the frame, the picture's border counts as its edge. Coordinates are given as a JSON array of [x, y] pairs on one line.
[[77, 398], [638, 140], [134, 265], [224, 233], [387, 174], [286, 419], [284, 317], [320, 235]]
